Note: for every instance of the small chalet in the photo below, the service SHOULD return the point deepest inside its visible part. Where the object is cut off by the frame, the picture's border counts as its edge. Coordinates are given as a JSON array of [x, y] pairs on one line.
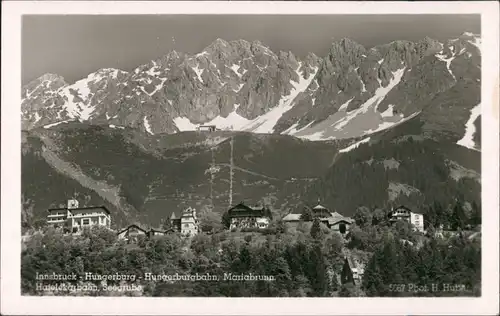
[[402, 213], [159, 231], [243, 216], [75, 218], [332, 220], [320, 211], [206, 128], [339, 223], [131, 232]]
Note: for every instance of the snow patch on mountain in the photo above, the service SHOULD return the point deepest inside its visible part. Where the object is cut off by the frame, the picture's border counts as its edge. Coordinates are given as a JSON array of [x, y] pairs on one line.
[[358, 122], [470, 129], [386, 125], [374, 101], [37, 117], [355, 145], [158, 86], [198, 72], [448, 61], [318, 136], [265, 123], [55, 124], [389, 112], [233, 121], [344, 106], [235, 69], [147, 126], [293, 129], [239, 88], [363, 87], [183, 124], [152, 72]]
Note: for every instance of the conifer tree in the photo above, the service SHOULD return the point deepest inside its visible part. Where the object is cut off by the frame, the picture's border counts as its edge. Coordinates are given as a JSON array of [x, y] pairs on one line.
[[316, 232]]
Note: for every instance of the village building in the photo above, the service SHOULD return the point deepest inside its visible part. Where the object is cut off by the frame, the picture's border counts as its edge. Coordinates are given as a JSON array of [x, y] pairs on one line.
[[206, 128], [175, 222], [74, 218], [159, 232], [352, 271], [403, 213], [132, 232], [189, 222], [333, 220], [320, 212], [339, 223], [292, 218], [243, 216]]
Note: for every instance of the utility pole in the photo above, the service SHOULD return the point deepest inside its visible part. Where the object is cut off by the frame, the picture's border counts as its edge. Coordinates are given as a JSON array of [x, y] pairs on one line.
[[212, 171], [231, 175]]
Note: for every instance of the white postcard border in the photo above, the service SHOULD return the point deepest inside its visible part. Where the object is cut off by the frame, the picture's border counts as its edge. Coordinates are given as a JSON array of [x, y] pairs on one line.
[[13, 303]]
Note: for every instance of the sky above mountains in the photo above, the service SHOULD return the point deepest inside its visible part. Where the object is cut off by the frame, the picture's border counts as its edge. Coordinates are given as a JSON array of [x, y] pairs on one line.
[[74, 46]]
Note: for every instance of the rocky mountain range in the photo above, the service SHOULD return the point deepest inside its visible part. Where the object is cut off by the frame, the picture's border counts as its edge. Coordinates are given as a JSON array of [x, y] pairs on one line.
[[244, 86], [396, 123]]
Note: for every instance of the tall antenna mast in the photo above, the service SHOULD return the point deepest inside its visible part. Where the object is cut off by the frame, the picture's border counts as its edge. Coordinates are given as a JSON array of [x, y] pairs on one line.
[[212, 171], [231, 175]]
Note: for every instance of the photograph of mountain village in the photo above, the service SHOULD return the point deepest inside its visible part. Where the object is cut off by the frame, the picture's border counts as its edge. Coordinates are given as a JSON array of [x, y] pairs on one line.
[[251, 156]]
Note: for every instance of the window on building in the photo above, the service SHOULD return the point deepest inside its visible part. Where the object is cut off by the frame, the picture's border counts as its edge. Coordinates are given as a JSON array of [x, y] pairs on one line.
[[342, 228], [86, 221]]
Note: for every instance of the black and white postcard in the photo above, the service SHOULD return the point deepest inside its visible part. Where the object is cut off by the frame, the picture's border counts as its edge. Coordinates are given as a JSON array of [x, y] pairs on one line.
[[250, 158]]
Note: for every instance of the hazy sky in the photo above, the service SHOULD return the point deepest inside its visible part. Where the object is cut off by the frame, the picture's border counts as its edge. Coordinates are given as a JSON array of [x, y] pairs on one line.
[[74, 46]]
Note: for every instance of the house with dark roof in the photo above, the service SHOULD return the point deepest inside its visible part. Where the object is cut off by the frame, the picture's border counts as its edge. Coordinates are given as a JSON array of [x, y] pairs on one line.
[[74, 218], [339, 223], [332, 220], [244, 216], [132, 232], [175, 221], [320, 211], [402, 213]]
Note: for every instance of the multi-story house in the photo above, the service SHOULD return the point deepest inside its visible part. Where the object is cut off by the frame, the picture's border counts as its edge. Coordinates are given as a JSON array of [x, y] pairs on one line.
[[74, 218], [189, 222], [403, 213], [243, 216]]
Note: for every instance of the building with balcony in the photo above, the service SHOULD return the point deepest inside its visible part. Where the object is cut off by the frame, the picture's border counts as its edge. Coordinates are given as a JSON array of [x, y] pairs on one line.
[[243, 216], [189, 222], [403, 213], [74, 218]]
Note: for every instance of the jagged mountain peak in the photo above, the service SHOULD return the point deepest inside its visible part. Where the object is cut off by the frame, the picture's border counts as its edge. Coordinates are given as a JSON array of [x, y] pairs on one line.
[[218, 45], [470, 34], [49, 77], [346, 44], [244, 85]]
